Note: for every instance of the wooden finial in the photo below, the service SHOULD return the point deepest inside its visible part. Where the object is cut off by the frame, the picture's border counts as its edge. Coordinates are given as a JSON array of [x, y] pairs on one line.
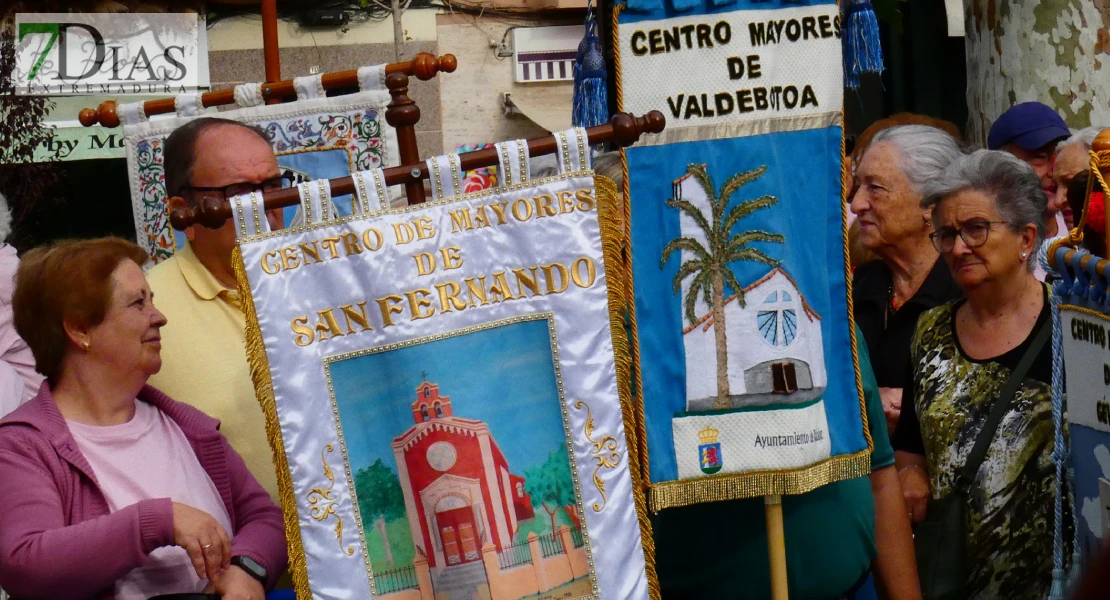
[[214, 212], [425, 65], [627, 129], [182, 215], [107, 112], [448, 63], [1102, 141], [88, 117]]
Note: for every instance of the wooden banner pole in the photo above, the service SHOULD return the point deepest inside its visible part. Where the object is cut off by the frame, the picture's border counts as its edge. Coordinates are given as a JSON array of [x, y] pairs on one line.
[[270, 48], [776, 547], [623, 130]]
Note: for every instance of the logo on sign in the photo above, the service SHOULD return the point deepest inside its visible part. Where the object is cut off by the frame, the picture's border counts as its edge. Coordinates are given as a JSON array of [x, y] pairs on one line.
[[96, 53], [709, 451]]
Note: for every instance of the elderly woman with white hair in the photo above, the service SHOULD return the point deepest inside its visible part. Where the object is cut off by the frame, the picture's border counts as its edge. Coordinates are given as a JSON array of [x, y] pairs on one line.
[[976, 430], [1071, 160], [890, 293]]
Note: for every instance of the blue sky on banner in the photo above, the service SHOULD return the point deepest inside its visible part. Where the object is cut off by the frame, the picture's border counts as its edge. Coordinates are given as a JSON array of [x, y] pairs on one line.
[[517, 395], [804, 175], [645, 10]]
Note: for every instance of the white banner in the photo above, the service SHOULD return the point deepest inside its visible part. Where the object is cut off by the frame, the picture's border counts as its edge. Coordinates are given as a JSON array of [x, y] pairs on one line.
[[444, 380], [1087, 367], [738, 67]]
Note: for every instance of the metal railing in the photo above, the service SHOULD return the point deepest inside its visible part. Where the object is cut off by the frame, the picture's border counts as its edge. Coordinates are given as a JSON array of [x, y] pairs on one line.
[[514, 556], [577, 538], [551, 545], [387, 582]]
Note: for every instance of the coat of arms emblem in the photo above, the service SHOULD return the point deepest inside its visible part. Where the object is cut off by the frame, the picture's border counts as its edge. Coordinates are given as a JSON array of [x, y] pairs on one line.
[[709, 452]]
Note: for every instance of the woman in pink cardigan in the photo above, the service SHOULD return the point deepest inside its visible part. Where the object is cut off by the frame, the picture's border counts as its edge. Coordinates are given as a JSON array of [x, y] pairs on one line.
[[108, 488]]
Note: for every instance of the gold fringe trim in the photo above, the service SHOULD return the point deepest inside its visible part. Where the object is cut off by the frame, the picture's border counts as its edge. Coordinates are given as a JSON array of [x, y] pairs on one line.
[[614, 241], [735, 486], [633, 332], [264, 390]]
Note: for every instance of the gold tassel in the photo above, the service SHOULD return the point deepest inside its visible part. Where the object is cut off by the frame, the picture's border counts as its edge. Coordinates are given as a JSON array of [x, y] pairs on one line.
[[264, 390], [614, 240]]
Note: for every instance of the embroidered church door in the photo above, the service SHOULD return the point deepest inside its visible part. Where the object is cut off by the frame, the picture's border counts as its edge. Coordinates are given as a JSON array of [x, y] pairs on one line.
[[450, 545], [463, 537]]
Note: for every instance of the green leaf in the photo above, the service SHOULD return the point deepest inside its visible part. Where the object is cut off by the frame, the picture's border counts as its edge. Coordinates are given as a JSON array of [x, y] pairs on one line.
[[731, 282], [752, 255], [694, 213], [746, 208], [688, 268], [740, 180], [743, 239], [684, 243]]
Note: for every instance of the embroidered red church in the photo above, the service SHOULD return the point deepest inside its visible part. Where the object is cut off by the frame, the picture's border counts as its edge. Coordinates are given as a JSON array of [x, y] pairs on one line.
[[459, 493]]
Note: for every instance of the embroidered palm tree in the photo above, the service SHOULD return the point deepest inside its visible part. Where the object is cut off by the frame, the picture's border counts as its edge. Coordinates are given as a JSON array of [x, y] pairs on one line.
[[709, 265]]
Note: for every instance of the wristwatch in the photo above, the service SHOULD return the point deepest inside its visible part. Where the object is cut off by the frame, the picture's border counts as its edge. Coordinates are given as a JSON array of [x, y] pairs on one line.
[[252, 568]]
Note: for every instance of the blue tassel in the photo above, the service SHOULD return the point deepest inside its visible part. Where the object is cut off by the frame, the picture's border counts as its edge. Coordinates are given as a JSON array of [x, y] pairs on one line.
[[591, 96], [1076, 571], [1057, 590], [863, 53]]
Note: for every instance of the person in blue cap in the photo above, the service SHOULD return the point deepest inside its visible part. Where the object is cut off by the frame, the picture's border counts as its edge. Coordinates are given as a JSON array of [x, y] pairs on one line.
[[1030, 131]]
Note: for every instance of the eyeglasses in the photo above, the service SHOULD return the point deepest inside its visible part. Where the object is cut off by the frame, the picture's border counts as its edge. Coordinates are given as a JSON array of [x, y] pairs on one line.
[[285, 180], [974, 234]]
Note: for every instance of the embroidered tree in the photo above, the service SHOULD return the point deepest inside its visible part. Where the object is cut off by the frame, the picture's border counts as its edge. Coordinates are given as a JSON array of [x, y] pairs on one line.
[[709, 263], [379, 499], [550, 483]]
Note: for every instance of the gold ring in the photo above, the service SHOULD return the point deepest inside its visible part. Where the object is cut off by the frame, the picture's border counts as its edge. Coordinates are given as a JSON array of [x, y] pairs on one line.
[[206, 546]]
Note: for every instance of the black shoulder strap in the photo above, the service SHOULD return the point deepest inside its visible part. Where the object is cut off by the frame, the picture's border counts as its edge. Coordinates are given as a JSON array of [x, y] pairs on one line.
[[1001, 405]]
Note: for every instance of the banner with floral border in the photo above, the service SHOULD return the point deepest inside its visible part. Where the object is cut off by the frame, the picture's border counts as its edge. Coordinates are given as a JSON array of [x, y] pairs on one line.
[[355, 122]]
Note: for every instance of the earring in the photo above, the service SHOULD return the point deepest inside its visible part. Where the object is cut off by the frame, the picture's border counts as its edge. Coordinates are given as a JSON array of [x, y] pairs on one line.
[[1023, 255], [86, 344]]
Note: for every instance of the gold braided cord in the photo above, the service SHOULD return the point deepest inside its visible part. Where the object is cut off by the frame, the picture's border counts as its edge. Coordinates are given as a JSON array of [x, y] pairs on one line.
[[845, 189], [619, 284], [738, 486], [1098, 161], [264, 390], [633, 331], [1087, 311]]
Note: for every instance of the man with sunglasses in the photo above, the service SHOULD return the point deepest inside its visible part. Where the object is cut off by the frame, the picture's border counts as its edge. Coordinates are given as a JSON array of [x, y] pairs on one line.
[[203, 357]]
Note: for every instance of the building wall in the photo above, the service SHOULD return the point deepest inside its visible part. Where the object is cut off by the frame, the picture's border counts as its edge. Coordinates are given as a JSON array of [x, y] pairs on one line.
[[472, 95], [1050, 51]]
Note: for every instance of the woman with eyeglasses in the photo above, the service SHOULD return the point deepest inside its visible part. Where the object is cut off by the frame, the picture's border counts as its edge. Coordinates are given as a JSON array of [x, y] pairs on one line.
[[988, 214], [890, 293]]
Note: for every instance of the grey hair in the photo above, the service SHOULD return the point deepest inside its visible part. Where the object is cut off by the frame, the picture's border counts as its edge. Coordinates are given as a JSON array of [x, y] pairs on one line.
[[1084, 137], [1010, 181], [608, 164], [924, 151]]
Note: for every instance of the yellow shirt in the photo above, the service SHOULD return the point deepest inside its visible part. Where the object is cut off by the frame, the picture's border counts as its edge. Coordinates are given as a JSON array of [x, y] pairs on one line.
[[204, 359]]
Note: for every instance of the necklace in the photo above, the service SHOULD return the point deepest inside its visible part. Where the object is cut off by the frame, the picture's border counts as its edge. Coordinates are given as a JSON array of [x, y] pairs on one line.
[[892, 305]]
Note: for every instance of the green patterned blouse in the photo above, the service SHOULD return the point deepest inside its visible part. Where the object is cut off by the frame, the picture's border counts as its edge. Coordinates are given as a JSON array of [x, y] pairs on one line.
[[1011, 500]]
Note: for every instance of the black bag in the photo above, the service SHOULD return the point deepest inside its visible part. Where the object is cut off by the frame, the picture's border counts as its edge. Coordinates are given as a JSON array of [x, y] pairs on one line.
[[940, 541]]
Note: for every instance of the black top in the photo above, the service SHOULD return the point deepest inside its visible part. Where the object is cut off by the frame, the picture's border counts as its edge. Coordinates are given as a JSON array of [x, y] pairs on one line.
[[888, 334], [907, 436]]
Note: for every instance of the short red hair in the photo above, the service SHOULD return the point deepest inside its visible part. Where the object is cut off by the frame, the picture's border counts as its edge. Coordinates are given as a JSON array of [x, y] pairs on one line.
[[71, 279]]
